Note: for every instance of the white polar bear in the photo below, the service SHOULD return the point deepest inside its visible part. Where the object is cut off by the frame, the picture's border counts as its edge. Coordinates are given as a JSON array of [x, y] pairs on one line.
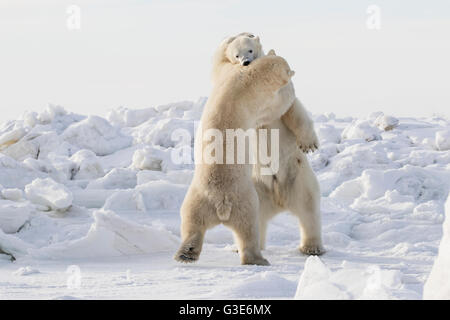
[[223, 191], [294, 187]]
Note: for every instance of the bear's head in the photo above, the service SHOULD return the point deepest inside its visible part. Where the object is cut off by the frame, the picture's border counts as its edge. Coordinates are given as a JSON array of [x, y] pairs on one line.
[[243, 49], [273, 70]]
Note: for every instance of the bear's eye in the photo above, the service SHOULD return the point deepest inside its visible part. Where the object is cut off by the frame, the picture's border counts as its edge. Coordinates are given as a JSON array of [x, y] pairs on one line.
[[237, 56], [250, 51]]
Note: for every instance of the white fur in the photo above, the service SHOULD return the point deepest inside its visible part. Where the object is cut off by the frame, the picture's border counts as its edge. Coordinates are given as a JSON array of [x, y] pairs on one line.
[[225, 193], [295, 187]]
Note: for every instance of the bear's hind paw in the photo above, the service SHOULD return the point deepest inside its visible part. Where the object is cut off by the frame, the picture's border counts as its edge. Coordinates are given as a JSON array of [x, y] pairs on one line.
[[312, 250], [186, 255]]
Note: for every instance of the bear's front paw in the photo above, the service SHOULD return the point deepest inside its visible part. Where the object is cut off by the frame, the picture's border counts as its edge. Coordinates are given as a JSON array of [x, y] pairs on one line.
[[308, 141]]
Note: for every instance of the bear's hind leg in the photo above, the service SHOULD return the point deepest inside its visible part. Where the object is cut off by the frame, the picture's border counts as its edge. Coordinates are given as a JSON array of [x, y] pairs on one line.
[[196, 217], [304, 202], [191, 247], [245, 226], [262, 233]]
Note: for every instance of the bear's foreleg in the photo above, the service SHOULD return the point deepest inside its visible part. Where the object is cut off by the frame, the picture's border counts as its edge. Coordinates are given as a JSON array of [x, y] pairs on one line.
[[301, 125]]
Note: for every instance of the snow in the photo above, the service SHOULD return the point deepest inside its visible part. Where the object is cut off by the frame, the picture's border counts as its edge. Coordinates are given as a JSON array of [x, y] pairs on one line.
[[25, 271], [315, 283], [117, 178], [386, 122], [146, 159], [101, 197], [87, 166], [124, 117], [109, 236], [438, 283], [13, 194], [443, 140], [328, 133], [350, 282], [259, 285], [361, 129], [12, 136], [49, 194], [13, 215], [96, 134]]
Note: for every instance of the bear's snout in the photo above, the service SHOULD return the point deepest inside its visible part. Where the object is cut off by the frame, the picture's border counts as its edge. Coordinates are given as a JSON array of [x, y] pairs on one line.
[[246, 63]]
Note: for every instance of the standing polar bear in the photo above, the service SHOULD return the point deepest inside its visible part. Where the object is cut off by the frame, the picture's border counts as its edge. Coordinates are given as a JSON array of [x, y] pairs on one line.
[[223, 191], [294, 187]]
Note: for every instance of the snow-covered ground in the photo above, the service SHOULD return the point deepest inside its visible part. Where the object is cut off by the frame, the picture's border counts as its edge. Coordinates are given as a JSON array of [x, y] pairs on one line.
[[89, 208], [438, 283]]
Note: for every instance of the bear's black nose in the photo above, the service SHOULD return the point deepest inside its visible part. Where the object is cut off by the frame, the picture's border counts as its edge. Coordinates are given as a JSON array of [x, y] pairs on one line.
[[246, 63]]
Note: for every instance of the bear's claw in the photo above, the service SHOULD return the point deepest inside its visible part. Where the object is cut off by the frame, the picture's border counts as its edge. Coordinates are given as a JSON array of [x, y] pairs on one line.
[[312, 250], [185, 259], [258, 262], [308, 142], [309, 148], [187, 255]]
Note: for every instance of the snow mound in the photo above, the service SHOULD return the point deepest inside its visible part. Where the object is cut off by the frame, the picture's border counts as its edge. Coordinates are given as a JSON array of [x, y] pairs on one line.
[[361, 129], [147, 159], [13, 215], [13, 194], [111, 235], [25, 271], [328, 133], [267, 283], [118, 178], [443, 140], [157, 158], [97, 135], [37, 135], [386, 123], [438, 283], [350, 282], [11, 136], [53, 113], [422, 185], [49, 194], [12, 245], [15, 174], [159, 131], [153, 195], [87, 165], [315, 283], [125, 117]]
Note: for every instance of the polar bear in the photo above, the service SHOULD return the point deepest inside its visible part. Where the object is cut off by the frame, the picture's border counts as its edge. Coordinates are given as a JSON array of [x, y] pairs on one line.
[[223, 192], [295, 187]]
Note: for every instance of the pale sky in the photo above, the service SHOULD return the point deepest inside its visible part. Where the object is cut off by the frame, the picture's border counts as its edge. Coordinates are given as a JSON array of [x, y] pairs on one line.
[[142, 53]]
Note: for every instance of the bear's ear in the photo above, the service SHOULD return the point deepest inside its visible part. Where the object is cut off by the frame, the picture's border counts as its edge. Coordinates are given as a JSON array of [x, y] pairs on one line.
[[271, 52], [291, 73], [250, 35], [247, 34]]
